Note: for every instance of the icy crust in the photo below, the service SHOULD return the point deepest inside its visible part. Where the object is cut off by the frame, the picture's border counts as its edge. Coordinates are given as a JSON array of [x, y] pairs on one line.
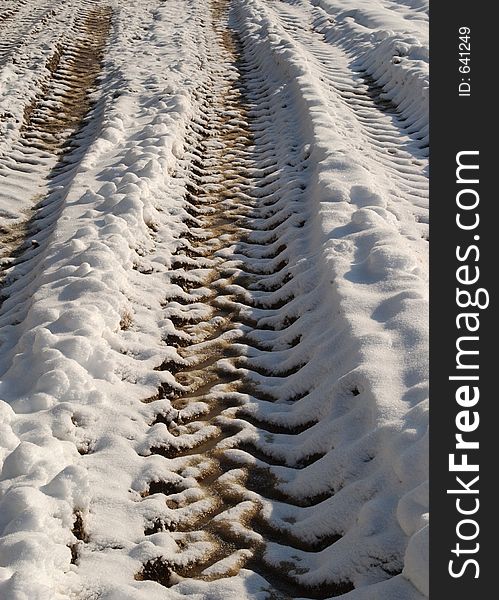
[[373, 341], [389, 40]]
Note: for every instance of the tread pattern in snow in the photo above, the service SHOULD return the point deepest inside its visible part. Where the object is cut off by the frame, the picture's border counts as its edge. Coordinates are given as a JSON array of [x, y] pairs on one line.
[[50, 134], [231, 431], [239, 324]]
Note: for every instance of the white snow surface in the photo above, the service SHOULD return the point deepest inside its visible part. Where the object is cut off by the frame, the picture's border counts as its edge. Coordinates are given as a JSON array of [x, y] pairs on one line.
[[74, 433]]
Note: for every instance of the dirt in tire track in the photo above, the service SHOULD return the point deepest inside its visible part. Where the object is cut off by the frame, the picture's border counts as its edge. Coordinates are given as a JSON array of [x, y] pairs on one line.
[[234, 221], [193, 282], [64, 99], [50, 124]]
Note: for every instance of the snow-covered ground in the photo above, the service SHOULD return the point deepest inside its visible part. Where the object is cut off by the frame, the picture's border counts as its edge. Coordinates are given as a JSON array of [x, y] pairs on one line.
[[213, 272]]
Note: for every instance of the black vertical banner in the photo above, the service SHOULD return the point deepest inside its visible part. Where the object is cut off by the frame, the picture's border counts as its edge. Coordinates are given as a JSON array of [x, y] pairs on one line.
[[463, 317]]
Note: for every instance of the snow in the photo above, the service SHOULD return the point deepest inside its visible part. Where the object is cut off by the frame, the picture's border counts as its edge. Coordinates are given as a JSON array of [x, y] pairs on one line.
[[84, 319], [389, 40]]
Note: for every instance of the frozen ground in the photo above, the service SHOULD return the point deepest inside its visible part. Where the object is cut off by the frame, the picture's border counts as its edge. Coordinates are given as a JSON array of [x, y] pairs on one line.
[[213, 267]]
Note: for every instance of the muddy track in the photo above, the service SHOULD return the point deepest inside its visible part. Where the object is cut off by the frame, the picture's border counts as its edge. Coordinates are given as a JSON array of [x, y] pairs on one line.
[[223, 313], [64, 99], [22, 23], [51, 127]]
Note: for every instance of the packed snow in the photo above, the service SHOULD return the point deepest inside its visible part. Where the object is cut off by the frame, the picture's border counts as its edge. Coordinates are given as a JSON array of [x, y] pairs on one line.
[[239, 222]]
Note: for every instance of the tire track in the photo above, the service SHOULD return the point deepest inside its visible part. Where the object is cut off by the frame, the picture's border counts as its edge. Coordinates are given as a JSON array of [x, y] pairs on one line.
[[50, 132], [20, 22], [239, 306], [7, 14], [396, 147], [64, 99], [222, 313]]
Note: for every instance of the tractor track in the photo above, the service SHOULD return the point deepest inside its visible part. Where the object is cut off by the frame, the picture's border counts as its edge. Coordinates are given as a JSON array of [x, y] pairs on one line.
[[236, 333], [6, 14], [19, 23], [238, 303], [238, 223], [50, 133], [396, 146]]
